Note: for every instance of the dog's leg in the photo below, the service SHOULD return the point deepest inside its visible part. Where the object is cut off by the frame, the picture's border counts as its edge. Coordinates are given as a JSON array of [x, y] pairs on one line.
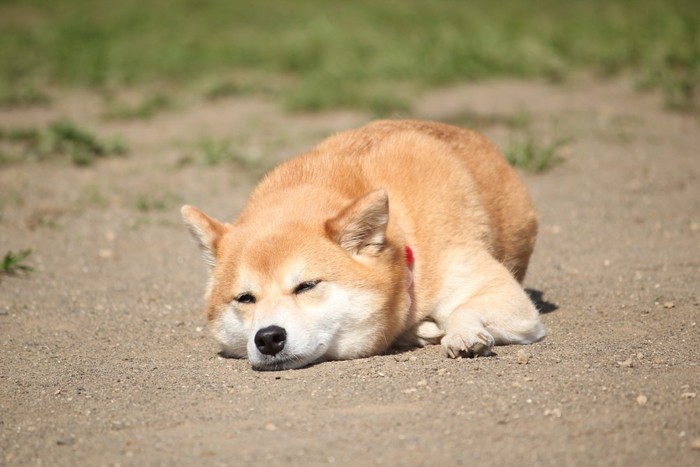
[[496, 312]]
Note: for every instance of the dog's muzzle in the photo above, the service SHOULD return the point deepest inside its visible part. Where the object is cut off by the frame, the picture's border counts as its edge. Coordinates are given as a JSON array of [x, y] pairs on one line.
[[270, 340]]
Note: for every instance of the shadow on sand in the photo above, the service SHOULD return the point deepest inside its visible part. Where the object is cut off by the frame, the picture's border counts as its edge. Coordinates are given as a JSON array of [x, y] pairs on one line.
[[537, 297]]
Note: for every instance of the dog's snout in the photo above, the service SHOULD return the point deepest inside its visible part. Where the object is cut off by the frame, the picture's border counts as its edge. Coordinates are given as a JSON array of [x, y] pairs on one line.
[[270, 340]]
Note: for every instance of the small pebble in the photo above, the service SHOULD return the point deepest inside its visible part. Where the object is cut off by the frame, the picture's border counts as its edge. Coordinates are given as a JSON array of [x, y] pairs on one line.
[[688, 395], [270, 427], [669, 305], [65, 441], [523, 357], [642, 399], [105, 253], [627, 363], [695, 444]]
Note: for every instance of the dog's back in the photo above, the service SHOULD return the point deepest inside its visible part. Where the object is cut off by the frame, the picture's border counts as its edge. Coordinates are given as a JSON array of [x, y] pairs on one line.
[[448, 187]]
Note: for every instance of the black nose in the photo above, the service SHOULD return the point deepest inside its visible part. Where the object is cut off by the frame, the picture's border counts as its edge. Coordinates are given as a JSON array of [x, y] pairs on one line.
[[270, 340]]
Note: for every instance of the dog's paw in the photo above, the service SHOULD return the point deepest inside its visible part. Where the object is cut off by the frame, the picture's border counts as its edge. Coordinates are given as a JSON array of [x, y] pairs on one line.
[[456, 344], [428, 332]]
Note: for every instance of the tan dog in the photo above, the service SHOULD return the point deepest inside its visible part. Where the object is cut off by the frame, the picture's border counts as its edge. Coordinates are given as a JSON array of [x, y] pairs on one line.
[[320, 263]]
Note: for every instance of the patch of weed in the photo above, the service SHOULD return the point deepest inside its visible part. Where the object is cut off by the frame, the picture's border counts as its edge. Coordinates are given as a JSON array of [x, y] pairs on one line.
[[83, 146], [11, 197], [226, 89], [533, 154], [49, 217], [215, 152], [20, 135], [60, 138], [620, 128], [244, 82], [93, 196], [145, 109], [23, 96], [14, 263], [156, 202], [140, 222]]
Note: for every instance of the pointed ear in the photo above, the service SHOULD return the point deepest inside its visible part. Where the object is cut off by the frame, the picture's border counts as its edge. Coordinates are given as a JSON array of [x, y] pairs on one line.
[[361, 227], [205, 230]]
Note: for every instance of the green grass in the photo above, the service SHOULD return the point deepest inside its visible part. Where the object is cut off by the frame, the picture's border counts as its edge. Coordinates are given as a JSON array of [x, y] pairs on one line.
[[146, 108], [157, 202], [214, 152], [532, 153], [23, 96], [62, 138], [93, 195], [227, 88], [318, 54], [526, 150], [14, 263]]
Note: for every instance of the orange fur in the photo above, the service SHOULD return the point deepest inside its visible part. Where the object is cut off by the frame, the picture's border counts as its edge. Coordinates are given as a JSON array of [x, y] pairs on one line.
[[451, 196]]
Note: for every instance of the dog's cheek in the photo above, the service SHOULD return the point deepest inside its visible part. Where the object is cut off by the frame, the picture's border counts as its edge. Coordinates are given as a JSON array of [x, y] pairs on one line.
[[232, 332], [353, 317], [306, 339]]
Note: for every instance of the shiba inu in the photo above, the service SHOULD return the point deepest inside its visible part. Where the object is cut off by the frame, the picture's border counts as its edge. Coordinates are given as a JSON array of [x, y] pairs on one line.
[[400, 232]]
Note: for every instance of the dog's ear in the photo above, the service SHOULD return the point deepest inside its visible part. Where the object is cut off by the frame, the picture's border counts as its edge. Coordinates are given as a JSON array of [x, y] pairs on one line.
[[360, 228], [205, 230]]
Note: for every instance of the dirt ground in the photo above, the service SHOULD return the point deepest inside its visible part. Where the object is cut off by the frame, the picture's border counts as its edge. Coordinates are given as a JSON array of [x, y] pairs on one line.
[[105, 357]]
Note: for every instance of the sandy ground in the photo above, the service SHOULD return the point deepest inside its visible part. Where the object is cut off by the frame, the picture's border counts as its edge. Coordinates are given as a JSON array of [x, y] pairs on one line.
[[105, 358]]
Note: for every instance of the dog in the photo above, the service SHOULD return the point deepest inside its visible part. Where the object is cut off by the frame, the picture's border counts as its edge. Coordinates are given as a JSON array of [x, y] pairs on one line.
[[396, 233]]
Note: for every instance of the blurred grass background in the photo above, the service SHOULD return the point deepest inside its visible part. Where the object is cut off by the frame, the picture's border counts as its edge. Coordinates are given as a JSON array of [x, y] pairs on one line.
[[320, 54]]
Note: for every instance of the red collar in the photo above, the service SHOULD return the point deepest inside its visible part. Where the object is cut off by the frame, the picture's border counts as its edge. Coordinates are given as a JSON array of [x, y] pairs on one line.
[[409, 256]]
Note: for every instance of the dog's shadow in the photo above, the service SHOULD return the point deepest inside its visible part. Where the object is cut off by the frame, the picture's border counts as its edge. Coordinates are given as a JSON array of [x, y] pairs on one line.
[[542, 305]]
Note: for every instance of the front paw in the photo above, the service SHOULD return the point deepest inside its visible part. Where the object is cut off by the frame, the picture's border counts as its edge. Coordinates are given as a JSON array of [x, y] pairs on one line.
[[467, 344], [428, 332]]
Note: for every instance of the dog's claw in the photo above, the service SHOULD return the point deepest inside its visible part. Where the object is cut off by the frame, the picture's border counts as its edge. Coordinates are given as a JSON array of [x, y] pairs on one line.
[[456, 345]]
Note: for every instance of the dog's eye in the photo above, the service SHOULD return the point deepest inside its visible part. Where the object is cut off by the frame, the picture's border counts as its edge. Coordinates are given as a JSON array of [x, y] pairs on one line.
[[245, 298], [305, 286]]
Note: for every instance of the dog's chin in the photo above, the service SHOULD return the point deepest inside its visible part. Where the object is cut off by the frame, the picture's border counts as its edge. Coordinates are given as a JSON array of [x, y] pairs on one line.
[[291, 358], [286, 363], [227, 351]]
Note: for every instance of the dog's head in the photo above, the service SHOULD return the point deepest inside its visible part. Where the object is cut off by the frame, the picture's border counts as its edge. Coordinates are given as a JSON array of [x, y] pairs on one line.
[[288, 292]]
